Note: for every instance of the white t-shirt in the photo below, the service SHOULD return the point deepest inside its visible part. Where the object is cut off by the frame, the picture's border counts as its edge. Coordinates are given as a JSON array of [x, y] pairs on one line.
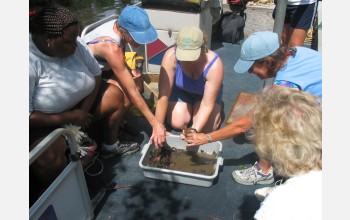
[[59, 84], [299, 198]]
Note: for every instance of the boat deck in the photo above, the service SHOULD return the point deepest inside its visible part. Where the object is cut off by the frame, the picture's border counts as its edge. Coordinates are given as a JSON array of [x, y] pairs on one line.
[[138, 197], [145, 198], [122, 191]]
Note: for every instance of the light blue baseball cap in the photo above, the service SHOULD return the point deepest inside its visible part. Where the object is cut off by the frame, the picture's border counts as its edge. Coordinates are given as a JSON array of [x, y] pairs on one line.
[[135, 20], [256, 46]]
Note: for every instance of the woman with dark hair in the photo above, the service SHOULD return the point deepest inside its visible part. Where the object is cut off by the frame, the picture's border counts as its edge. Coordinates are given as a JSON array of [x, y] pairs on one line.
[[65, 87]]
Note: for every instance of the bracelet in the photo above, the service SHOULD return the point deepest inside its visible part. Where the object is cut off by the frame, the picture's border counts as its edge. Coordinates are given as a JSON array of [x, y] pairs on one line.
[[193, 129], [208, 138]]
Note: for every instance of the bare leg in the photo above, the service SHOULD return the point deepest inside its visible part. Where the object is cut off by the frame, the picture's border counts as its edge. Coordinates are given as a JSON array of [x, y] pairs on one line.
[[111, 110], [297, 37], [127, 102], [286, 34], [179, 114], [265, 165], [293, 37]]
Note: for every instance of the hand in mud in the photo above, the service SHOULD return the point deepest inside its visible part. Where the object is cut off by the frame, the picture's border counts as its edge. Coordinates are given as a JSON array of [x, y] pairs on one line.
[[186, 131], [158, 135], [195, 139]]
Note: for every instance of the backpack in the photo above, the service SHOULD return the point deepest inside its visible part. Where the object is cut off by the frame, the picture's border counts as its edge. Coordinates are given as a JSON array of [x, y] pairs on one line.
[[232, 23], [237, 6]]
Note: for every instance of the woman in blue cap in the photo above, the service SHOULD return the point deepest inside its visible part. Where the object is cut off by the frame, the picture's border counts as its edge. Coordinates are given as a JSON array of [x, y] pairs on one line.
[[107, 43], [297, 68]]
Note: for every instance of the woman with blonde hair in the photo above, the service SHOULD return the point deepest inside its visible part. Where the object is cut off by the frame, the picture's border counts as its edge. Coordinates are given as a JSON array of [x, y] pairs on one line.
[[287, 130]]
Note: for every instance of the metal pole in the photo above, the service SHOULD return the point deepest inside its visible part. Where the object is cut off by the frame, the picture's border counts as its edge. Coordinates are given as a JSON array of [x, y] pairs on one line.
[[278, 28], [279, 17]]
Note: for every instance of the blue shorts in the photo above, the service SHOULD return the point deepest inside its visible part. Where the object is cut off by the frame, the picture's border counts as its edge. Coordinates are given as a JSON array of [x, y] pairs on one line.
[[300, 16], [179, 95]]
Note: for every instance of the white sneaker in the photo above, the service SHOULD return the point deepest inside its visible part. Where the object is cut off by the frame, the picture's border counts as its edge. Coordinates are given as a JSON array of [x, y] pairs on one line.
[[261, 193], [253, 175], [123, 148]]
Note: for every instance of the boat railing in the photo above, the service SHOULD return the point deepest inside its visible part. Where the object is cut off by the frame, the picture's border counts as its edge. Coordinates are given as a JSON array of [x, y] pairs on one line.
[[67, 197], [94, 25]]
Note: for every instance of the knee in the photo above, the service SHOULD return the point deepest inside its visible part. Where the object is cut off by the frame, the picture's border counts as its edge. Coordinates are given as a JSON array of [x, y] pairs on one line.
[[177, 123], [114, 98]]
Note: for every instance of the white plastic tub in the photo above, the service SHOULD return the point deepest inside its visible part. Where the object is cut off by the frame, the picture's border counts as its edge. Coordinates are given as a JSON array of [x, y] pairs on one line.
[[178, 176]]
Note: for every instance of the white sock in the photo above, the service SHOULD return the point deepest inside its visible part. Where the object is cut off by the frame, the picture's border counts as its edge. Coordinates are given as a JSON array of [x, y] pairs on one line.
[[110, 147]]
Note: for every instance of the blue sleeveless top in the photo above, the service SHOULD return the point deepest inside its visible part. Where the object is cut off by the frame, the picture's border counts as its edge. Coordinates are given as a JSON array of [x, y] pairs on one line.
[[188, 84]]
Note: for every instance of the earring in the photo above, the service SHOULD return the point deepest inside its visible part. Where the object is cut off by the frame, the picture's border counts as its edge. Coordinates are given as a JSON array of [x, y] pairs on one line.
[[48, 44]]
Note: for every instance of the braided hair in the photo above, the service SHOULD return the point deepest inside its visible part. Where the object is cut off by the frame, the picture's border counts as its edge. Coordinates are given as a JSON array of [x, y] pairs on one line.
[[52, 20]]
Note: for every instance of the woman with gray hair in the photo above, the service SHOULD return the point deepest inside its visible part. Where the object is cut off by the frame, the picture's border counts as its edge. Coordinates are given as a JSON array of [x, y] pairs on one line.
[[287, 130]]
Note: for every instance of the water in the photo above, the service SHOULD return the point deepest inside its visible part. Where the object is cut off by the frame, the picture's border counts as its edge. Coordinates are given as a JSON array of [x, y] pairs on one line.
[[90, 11], [193, 162], [182, 160]]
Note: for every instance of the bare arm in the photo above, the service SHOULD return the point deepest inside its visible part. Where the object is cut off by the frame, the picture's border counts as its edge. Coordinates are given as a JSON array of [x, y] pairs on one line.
[[115, 57], [213, 84], [44, 120], [231, 130], [166, 81]]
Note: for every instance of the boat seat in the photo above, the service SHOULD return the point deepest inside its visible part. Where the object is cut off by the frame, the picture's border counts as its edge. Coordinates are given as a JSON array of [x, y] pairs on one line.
[[67, 197]]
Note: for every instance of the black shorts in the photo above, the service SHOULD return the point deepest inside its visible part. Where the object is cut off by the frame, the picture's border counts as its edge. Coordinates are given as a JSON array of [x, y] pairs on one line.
[[300, 16], [103, 87]]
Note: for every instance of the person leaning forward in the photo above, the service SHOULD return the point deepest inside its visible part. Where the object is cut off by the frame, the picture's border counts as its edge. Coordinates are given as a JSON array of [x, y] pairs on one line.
[[296, 68], [108, 42]]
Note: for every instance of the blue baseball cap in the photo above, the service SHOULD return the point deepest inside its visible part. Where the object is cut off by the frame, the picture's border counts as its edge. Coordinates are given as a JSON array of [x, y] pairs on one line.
[[256, 46], [135, 20]]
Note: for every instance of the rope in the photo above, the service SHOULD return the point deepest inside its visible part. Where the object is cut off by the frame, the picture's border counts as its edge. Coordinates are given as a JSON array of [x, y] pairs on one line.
[[86, 169]]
